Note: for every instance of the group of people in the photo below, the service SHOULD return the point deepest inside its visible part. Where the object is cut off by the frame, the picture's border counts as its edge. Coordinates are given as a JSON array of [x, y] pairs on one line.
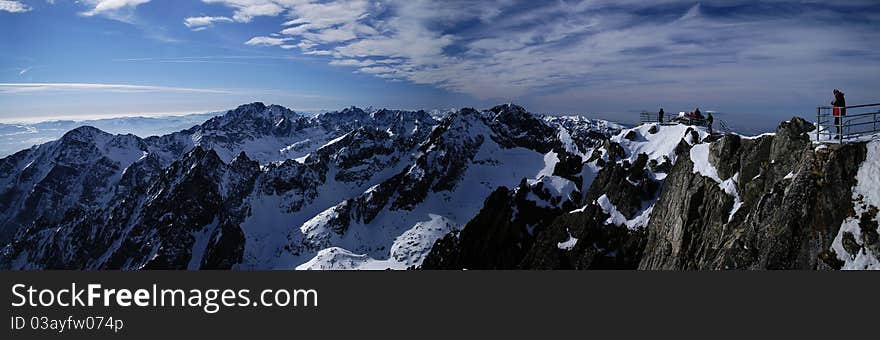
[[838, 107], [694, 115]]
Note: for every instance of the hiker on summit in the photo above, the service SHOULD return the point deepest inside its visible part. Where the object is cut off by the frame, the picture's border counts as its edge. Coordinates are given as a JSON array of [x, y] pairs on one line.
[[660, 115], [697, 114], [839, 104]]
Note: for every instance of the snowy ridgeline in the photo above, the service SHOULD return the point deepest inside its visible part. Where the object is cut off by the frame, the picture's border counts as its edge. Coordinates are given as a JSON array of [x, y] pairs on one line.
[[658, 142], [359, 189], [19, 136], [347, 189]]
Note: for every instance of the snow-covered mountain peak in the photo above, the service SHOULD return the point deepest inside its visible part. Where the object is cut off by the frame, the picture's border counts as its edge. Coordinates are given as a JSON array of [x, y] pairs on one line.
[[349, 114], [84, 134], [510, 110], [256, 115]]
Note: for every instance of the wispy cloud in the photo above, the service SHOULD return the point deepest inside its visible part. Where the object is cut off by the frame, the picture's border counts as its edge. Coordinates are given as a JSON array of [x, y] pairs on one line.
[[11, 88], [212, 58], [14, 6], [246, 10], [114, 9], [266, 41], [23, 71], [125, 11], [203, 22], [506, 49]]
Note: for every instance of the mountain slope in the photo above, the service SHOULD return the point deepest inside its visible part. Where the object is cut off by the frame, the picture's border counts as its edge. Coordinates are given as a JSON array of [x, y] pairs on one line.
[[262, 187]]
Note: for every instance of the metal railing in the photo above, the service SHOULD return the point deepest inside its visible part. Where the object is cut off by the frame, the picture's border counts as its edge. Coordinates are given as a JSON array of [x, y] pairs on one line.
[[648, 117], [651, 117], [850, 127], [724, 128]]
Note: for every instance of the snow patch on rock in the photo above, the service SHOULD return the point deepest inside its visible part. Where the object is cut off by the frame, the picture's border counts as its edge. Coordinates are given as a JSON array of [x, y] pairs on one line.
[[336, 258], [865, 196], [617, 218], [700, 157], [569, 243], [656, 145]]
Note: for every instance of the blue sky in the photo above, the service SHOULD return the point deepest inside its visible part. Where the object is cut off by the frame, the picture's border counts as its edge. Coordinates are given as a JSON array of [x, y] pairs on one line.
[[760, 61]]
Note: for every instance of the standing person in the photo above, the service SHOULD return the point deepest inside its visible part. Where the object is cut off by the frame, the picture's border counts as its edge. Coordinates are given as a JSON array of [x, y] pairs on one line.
[[660, 115], [709, 120], [698, 114], [839, 104]]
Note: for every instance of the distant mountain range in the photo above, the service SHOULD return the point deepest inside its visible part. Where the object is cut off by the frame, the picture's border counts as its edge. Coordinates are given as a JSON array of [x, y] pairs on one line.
[[18, 136], [264, 187]]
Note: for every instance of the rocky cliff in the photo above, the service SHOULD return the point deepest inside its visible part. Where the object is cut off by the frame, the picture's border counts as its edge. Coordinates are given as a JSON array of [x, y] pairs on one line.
[[776, 201], [772, 202]]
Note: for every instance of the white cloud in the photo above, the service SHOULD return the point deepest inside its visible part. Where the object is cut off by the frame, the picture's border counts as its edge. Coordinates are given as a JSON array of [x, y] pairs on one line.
[[14, 6], [266, 41], [318, 52], [352, 62], [9, 88], [507, 49], [111, 8], [692, 13], [246, 10], [203, 22], [378, 70]]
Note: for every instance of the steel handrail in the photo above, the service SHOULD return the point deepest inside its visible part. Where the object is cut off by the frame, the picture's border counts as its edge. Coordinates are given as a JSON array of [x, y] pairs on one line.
[[846, 123], [852, 115], [863, 105], [851, 107]]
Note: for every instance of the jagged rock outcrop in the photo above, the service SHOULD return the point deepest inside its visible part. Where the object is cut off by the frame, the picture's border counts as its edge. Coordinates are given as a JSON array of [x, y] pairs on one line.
[[504, 230], [583, 240], [594, 243], [497, 238], [771, 202], [789, 201]]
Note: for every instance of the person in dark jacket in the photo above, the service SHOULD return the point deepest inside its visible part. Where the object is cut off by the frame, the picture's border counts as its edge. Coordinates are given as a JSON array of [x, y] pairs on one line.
[[839, 107], [660, 115], [698, 114], [709, 120]]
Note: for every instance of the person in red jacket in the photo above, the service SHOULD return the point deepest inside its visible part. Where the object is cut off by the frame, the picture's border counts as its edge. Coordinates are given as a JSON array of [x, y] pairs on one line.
[[839, 110]]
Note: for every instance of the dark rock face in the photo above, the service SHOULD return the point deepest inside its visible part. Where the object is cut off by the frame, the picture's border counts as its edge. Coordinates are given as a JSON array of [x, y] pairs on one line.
[[785, 221], [75, 172], [868, 228], [599, 246], [513, 232], [787, 206], [159, 220], [687, 204], [513, 126], [505, 229], [626, 185], [497, 238]]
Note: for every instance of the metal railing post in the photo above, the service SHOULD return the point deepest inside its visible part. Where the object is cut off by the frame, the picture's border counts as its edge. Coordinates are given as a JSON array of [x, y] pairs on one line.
[[818, 123]]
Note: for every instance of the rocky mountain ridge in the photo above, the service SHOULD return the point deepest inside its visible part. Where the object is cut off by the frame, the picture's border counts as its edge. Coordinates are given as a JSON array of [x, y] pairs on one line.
[[262, 187]]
